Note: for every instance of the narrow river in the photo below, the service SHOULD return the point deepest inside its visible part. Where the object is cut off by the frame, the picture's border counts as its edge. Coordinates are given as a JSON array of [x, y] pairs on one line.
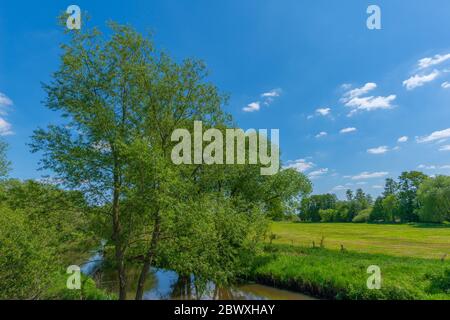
[[167, 285]]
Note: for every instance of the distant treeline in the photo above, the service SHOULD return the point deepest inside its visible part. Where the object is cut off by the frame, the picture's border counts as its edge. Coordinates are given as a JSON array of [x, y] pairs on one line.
[[413, 197]]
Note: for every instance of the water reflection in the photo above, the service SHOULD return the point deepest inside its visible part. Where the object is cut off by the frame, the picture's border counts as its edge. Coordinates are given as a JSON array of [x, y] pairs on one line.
[[167, 285]]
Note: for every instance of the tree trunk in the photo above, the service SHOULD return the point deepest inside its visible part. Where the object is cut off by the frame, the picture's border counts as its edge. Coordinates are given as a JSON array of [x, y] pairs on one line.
[[118, 243], [148, 259]]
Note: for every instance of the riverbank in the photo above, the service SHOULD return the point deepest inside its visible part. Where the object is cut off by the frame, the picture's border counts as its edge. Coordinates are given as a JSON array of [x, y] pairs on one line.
[[332, 274]]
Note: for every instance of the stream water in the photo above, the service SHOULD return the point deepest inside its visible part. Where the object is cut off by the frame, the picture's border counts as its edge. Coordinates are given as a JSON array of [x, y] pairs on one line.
[[168, 285]]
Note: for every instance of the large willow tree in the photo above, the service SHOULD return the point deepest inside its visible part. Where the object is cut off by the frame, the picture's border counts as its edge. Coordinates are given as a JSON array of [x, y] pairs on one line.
[[121, 100]]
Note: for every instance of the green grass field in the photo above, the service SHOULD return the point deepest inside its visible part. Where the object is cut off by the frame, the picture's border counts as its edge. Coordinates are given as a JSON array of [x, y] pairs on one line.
[[414, 260], [419, 240]]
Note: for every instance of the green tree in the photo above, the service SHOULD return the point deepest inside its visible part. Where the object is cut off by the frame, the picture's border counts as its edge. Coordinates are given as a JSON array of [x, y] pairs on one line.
[[391, 208], [434, 199], [311, 206], [409, 183], [4, 163]]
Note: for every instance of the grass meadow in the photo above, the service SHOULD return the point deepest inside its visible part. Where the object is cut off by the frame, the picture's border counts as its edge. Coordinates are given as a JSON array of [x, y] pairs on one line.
[[412, 259]]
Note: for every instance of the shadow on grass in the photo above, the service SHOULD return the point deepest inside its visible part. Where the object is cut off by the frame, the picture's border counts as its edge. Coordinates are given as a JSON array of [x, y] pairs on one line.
[[431, 225]]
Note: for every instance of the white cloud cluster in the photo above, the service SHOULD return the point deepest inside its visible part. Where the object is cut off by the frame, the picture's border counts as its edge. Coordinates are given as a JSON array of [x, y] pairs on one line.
[[323, 111], [321, 134], [433, 167], [420, 80], [422, 77], [318, 173], [5, 126], [301, 165], [403, 139], [358, 101], [378, 150], [445, 148], [267, 99], [369, 175], [433, 61], [437, 135]]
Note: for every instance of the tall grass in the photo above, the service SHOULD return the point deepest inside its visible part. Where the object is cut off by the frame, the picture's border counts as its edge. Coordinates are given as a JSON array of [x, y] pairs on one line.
[[333, 274]]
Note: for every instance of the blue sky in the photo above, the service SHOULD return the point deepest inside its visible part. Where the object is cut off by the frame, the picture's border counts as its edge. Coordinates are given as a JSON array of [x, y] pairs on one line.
[[342, 95]]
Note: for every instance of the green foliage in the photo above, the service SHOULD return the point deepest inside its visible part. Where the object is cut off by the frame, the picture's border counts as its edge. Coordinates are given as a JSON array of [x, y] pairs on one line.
[[363, 216], [26, 263], [434, 199], [343, 275], [409, 183], [311, 206], [4, 163], [328, 215]]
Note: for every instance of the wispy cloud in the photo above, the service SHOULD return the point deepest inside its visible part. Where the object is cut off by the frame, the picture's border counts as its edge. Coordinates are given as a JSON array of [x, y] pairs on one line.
[[437, 135], [300, 165], [321, 134], [445, 148], [5, 126], [323, 111], [348, 130], [267, 99], [433, 167], [318, 173], [403, 139], [378, 150], [420, 80], [357, 100], [446, 85], [369, 175], [252, 107], [433, 61], [5, 101]]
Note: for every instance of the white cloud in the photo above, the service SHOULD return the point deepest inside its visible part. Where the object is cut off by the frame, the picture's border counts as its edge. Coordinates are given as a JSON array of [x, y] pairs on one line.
[[323, 111], [348, 130], [426, 167], [446, 85], [377, 187], [419, 80], [300, 165], [360, 91], [317, 173], [378, 150], [437, 135], [272, 93], [433, 167], [252, 107], [267, 99], [432, 61], [445, 148], [5, 128], [355, 100], [403, 139], [321, 134], [4, 100], [339, 188], [369, 175]]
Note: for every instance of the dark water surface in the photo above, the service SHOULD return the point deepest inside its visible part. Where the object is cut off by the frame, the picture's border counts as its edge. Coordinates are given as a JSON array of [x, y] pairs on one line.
[[168, 285]]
